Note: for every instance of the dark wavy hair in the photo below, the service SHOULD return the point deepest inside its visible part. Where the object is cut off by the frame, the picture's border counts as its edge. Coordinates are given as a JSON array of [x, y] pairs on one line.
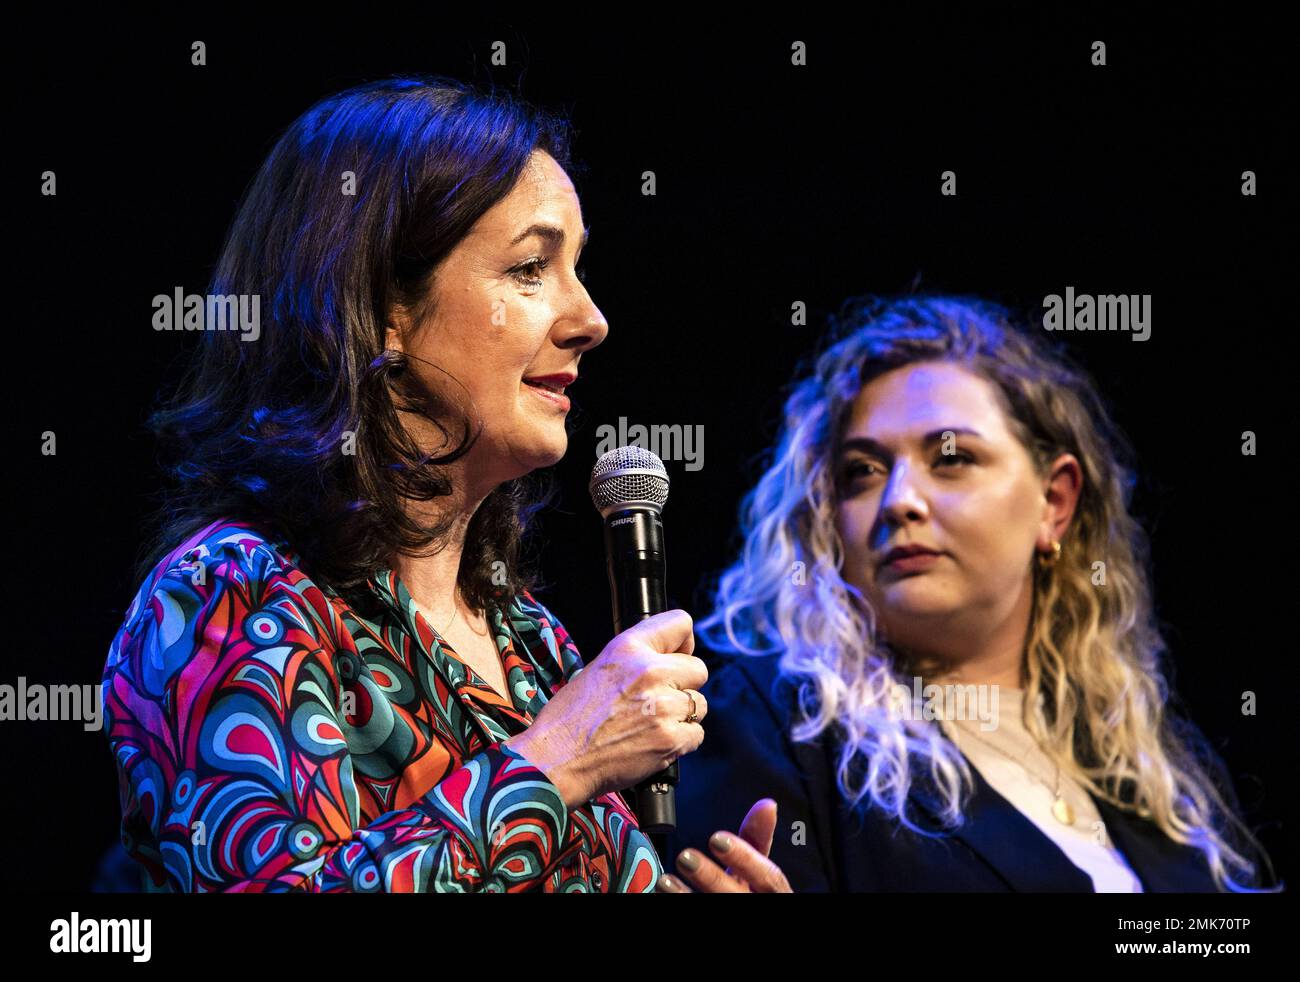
[[255, 429]]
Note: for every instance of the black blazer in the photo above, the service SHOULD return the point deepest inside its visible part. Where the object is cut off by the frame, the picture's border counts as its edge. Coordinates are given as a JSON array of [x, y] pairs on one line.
[[748, 754]]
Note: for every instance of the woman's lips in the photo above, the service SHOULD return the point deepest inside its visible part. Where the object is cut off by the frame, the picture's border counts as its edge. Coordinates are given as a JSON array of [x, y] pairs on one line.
[[554, 398], [914, 563]]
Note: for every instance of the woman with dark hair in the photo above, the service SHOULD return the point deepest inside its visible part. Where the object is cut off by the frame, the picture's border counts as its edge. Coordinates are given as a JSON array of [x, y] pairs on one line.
[[944, 526], [334, 675]]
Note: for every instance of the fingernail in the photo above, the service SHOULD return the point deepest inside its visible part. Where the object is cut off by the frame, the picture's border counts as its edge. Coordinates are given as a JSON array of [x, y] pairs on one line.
[[670, 885], [720, 841], [688, 859]]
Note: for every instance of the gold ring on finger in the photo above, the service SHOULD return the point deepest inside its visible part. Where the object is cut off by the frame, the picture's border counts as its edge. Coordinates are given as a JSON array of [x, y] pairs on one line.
[[691, 717]]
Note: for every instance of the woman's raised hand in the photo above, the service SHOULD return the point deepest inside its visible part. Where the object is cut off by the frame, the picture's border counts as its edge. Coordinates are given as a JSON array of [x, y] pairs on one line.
[[622, 717], [748, 868]]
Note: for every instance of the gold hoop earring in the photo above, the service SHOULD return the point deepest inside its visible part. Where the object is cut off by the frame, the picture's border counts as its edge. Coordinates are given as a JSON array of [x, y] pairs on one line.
[[1044, 562]]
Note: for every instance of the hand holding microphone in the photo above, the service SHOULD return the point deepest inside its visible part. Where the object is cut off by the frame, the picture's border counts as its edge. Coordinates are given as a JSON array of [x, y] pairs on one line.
[[623, 716]]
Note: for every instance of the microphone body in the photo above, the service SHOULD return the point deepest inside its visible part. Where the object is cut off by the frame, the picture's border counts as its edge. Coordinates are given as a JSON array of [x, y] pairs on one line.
[[629, 486], [635, 562]]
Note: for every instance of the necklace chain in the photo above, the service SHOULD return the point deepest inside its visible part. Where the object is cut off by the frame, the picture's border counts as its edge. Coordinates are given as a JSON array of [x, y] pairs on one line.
[[1061, 809], [455, 613]]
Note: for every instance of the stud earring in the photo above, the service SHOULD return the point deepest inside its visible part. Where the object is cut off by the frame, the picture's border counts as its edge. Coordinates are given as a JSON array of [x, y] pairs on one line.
[[1046, 563]]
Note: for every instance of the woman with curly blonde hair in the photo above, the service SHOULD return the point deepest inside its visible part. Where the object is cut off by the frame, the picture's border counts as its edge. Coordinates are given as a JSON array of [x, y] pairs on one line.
[[946, 514]]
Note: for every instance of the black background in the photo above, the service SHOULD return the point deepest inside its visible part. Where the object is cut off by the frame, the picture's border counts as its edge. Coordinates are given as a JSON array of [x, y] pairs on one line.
[[775, 184]]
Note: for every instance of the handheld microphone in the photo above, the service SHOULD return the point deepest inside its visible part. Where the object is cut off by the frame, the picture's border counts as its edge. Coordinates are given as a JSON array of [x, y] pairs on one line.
[[629, 487]]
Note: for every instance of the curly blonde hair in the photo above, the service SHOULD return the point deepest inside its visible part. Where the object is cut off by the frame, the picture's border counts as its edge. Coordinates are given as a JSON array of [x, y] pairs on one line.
[[1093, 654]]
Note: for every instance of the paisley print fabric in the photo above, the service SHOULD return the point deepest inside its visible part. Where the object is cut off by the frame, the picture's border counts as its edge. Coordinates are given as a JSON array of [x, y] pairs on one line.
[[270, 735]]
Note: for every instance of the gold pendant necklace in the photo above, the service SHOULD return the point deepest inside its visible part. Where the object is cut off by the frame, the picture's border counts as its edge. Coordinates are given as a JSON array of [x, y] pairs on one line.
[[1062, 811]]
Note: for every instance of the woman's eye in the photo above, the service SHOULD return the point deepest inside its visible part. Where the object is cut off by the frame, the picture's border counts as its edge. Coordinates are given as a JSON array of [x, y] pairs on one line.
[[965, 458], [857, 469], [533, 265], [863, 469]]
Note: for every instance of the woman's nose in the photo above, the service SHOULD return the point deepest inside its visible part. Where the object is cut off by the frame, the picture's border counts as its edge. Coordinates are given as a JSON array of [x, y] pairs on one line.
[[584, 330], [902, 499]]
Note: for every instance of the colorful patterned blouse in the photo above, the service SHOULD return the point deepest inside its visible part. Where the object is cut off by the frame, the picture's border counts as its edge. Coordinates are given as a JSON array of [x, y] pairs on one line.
[[269, 736]]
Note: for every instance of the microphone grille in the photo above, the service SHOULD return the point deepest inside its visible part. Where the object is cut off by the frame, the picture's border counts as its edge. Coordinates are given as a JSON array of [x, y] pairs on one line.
[[628, 476]]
